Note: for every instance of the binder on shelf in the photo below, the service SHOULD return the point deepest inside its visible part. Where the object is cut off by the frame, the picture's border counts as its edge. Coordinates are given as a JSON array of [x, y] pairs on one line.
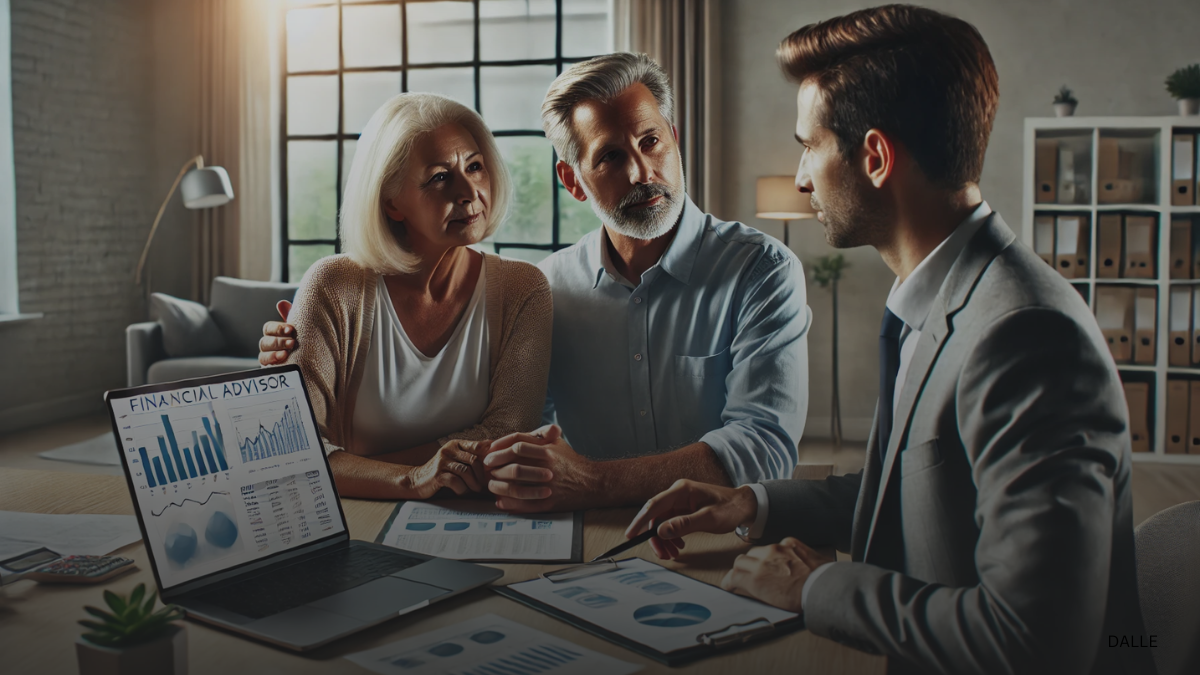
[[1193, 445], [1114, 174], [1108, 246], [1196, 257], [1137, 396], [1045, 170], [1179, 325], [1066, 245], [1183, 188], [1181, 248], [1043, 238], [1177, 417], [1138, 261], [1145, 314], [1195, 325], [1066, 175], [1114, 310]]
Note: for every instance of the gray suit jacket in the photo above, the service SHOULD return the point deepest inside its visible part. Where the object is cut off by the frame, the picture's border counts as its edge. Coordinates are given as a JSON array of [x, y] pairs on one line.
[[997, 537]]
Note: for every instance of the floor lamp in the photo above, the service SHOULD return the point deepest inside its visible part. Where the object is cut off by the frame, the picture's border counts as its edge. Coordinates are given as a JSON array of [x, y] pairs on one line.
[[203, 187], [776, 198]]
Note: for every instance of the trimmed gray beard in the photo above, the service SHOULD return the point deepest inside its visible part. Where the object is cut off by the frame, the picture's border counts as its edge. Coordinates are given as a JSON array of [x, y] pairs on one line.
[[647, 223]]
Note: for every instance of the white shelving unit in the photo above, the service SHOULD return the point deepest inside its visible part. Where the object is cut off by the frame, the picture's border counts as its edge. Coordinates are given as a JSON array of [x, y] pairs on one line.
[[1160, 129]]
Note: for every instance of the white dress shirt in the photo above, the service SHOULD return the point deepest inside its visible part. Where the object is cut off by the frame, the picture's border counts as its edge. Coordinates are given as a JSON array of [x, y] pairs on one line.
[[911, 302]]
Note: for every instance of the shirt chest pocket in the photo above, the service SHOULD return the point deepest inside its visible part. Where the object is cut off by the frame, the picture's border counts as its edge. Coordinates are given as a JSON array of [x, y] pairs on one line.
[[715, 366]]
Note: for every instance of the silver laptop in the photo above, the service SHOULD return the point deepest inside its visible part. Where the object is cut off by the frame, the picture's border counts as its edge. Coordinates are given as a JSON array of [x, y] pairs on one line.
[[241, 519]]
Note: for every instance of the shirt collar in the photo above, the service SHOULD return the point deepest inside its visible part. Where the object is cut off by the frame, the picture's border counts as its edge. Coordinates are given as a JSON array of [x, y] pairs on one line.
[[679, 258], [912, 300]]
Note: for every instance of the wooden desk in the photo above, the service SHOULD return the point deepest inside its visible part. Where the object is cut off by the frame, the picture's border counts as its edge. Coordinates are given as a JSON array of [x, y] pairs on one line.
[[38, 629]]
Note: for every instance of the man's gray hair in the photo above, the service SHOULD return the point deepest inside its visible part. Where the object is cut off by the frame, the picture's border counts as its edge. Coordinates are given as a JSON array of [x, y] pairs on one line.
[[600, 79]]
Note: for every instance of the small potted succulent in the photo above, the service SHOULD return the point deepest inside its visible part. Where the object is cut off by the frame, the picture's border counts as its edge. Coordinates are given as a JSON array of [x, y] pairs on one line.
[[132, 638], [1064, 102], [1184, 85]]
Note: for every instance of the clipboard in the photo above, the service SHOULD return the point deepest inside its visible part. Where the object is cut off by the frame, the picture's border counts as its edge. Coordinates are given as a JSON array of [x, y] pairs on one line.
[[576, 542], [710, 643]]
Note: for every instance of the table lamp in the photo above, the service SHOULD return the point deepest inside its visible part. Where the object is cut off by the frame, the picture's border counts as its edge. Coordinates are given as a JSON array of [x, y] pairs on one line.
[[203, 187], [778, 199]]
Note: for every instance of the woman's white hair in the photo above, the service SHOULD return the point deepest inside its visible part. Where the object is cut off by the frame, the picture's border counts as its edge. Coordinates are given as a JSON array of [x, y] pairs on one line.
[[369, 237]]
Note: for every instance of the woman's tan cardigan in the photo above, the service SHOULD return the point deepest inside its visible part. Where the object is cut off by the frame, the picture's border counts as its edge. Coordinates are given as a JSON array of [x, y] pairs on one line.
[[334, 314]]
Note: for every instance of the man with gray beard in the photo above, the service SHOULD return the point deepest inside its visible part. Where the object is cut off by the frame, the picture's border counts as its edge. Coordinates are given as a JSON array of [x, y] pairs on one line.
[[680, 341], [679, 346]]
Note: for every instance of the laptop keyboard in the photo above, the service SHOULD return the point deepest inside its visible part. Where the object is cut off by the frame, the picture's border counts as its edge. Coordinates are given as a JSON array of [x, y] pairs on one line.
[[279, 590]]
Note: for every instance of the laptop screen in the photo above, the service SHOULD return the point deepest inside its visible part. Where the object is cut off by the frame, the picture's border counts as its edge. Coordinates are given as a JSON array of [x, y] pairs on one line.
[[225, 471]]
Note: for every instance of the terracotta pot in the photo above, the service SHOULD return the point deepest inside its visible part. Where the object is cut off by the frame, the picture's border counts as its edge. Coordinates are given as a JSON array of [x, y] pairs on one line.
[[166, 655], [1064, 109], [1189, 106]]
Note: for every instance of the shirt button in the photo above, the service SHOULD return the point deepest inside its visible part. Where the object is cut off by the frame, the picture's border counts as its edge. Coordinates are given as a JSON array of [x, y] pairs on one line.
[[637, 301], [637, 357], [643, 413]]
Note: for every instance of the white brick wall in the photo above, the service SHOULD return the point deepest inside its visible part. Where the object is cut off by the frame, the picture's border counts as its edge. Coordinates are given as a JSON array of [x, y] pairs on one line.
[[84, 159]]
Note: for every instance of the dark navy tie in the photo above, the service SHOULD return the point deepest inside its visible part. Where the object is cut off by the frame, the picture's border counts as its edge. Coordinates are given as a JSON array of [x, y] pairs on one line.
[[889, 365]]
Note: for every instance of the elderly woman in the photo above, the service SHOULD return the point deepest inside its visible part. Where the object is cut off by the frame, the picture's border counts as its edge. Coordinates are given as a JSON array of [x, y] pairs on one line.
[[417, 349]]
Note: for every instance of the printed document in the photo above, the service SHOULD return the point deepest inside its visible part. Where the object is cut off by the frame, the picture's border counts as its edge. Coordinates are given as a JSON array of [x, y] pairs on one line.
[[488, 645], [649, 604], [477, 530]]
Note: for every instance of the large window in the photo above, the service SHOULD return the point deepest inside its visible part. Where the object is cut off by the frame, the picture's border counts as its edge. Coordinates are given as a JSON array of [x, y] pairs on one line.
[[344, 59]]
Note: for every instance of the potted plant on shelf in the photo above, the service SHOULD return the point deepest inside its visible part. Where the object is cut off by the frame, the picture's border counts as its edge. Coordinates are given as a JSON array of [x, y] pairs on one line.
[[1184, 85], [1064, 102], [132, 639]]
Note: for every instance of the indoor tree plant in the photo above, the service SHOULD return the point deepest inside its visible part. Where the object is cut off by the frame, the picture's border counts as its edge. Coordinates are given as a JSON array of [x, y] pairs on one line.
[[1064, 102], [826, 272], [132, 638], [1184, 85]]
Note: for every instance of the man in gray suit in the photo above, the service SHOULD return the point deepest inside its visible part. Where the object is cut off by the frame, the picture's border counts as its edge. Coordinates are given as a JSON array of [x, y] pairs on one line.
[[991, 529]]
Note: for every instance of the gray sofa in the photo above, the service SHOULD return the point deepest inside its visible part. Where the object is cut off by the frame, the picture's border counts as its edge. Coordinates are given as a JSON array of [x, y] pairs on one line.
[[239, 308]]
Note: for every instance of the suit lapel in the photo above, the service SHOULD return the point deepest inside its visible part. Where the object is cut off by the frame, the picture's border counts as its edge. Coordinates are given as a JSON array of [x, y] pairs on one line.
[[869, 488], [985, 245], [932, 338]]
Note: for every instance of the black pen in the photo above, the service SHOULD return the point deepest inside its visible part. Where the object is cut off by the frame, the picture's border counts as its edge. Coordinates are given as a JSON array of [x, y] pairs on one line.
[[640, 539]]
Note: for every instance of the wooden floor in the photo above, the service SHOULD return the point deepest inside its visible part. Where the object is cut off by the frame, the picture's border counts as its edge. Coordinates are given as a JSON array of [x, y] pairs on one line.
[[1155, 486]]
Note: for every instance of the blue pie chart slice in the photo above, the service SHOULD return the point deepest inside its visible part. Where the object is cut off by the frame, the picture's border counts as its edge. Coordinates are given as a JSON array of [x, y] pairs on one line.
[[672, 615]]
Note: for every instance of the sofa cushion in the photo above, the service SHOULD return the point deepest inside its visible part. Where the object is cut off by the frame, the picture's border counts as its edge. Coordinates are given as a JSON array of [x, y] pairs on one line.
[[169, 370], [187, 327], [241, 307]]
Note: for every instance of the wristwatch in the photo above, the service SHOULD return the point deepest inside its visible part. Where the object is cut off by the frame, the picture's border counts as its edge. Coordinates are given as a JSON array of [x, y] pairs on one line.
[[754, 532]]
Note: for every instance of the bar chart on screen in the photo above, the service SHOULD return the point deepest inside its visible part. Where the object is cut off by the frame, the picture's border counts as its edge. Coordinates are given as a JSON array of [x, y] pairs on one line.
[[269, 429], [176, 446]]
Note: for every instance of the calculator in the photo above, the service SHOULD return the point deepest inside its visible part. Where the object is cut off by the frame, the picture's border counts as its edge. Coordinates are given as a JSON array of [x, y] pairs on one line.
[[46, 566]]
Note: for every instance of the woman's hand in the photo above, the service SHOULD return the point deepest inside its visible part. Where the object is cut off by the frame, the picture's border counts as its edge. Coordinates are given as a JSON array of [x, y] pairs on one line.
[[457, 465]]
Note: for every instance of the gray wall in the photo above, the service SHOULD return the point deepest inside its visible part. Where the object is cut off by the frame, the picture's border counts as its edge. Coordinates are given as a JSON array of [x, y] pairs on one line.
[[1115, 54], [87, 191]]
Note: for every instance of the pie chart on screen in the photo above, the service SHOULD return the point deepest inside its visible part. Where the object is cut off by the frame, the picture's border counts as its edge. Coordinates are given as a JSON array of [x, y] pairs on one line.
[[672, 615]]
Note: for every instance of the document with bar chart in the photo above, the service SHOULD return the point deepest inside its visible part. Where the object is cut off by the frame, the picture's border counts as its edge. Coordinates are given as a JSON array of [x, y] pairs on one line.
[[489, 645], [225, 473]]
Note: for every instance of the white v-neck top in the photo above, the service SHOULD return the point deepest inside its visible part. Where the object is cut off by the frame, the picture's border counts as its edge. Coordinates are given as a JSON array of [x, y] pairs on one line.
[[407, 398]]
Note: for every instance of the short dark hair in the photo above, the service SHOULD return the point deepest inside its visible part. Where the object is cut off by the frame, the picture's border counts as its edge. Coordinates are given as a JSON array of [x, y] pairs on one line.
[[923, 77]]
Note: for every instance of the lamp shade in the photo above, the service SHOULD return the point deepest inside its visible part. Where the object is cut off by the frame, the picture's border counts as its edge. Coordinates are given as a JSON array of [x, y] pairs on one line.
[[206, 187], [778, 199]]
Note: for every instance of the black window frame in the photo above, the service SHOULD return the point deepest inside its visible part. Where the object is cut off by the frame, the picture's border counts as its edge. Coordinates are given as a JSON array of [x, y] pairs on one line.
[[340, 137]]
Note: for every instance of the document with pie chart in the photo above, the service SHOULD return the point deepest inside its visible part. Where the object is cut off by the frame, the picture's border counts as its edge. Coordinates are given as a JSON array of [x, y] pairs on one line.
[[641, 602]]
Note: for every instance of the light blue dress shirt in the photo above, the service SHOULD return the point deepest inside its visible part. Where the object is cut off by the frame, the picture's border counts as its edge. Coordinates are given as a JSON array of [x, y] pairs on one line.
[[711, 346]]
